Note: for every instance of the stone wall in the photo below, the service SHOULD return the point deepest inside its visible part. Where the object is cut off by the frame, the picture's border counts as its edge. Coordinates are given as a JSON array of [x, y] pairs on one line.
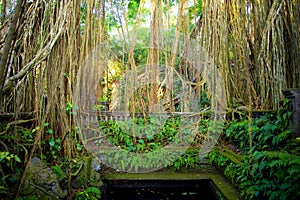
[[294, 96]]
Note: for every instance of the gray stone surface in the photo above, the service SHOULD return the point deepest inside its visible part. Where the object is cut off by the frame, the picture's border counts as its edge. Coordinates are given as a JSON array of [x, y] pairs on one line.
[[42, 182], [294, 95]]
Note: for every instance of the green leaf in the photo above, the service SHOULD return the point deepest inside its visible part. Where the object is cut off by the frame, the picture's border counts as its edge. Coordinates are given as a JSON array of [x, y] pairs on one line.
[[294, 172], [295, 161], [285, 186], [93, 190], [59, 172], [257, 155], [3, 155], [265, 147], [57, 140], [35, 129], [17, 159], [50, 131], [52, 142], [3, 190], [69, 106], [141, 141], [53, 152], [79, 147], [262, 166], [274, 195]]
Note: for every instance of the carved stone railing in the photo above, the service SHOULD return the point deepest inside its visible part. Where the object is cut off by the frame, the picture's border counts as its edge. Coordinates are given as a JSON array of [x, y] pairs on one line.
[[92, 116]]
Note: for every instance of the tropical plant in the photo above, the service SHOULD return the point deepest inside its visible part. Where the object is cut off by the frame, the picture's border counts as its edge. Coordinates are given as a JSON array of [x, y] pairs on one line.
[[90, 193]]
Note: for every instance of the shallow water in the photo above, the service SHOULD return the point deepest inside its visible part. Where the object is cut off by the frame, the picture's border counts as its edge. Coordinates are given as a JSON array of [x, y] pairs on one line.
[[160, 189]]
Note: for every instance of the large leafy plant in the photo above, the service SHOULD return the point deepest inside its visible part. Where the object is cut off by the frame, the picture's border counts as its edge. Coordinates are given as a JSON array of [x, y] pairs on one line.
[[269, 132], [269, 170]]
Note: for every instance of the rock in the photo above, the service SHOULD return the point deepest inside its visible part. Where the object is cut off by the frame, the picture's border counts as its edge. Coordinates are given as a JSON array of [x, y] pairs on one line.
[[41, 181], [96, 165]]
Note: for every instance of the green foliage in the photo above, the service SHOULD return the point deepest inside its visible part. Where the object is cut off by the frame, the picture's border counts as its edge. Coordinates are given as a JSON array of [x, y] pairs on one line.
[[195, 11], [59, 172], [9, 170], [83, 11], [54, 146], [50, 141], [147, 139], [3, 190], [133, 7], [218, 160], [276, 174], [33, 197], [263, 175], [71, 109], [268, 171], [143, 127], [293, 146], [267, 133], [204, 101], [189, 159], [79, 147], [53, 142], [90, 193], [26, 136], [8, 158], [14, 147]]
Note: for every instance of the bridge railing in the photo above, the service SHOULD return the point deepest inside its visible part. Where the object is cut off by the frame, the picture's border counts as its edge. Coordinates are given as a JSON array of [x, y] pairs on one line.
[[92, 116]]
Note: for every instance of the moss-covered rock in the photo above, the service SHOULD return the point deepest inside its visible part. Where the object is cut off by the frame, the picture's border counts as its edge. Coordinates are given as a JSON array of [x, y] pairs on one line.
[[41, 182]]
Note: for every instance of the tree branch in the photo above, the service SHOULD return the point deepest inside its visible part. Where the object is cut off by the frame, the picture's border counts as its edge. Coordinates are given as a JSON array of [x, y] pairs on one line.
[[41, 55], [7, 45]]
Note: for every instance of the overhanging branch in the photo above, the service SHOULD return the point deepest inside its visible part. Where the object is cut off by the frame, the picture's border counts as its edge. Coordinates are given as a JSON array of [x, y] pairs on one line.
[[39, 57], [8, 44]]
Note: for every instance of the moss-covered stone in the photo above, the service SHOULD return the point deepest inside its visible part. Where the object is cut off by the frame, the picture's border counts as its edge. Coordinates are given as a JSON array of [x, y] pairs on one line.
[[235, 158], [41, 182], [204, 172]]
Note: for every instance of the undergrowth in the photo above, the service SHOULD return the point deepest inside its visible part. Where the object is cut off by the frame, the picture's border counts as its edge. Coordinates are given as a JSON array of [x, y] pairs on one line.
[[270, 169]]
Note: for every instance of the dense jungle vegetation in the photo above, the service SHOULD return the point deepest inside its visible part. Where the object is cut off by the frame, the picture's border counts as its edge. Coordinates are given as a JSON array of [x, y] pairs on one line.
[[146, 77]]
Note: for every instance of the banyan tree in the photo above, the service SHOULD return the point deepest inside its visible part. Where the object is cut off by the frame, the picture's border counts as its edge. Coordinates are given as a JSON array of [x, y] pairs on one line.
[[249, 49]]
